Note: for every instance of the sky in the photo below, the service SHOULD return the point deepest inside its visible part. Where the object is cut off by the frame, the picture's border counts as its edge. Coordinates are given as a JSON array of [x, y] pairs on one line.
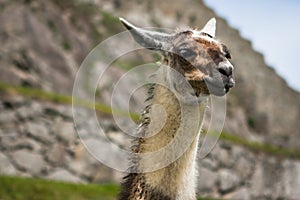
[[273, 26]]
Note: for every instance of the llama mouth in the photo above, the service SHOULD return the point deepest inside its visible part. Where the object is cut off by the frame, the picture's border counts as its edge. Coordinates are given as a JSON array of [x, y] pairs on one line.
[[219, 86]]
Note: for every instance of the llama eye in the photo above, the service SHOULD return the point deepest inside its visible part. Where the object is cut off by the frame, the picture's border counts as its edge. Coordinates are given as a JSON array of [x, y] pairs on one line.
[[228, 55], [187, 53], [226, 52]]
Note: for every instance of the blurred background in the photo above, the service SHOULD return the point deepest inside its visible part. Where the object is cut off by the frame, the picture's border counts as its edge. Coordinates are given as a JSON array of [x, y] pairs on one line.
[[43, 44]]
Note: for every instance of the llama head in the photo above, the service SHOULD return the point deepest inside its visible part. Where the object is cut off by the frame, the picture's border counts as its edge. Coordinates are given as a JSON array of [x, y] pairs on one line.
[[201, 59]]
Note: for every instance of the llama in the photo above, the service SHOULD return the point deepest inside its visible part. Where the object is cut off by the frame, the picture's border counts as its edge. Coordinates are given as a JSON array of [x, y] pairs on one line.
[[203, 62]]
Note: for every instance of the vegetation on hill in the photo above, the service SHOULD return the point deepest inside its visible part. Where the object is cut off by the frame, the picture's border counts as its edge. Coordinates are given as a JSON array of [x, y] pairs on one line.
[[48, 96], [35, 189], [13, 188]]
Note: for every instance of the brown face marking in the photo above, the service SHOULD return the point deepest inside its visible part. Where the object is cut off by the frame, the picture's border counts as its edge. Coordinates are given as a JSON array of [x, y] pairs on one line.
[[218, 52]]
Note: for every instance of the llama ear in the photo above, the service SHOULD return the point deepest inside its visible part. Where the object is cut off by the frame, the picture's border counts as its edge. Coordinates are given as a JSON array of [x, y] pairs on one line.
[[149, 39], [210, 27]]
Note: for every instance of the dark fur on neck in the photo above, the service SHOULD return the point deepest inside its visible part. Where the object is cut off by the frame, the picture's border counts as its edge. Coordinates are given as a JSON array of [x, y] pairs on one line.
[[135, 188]]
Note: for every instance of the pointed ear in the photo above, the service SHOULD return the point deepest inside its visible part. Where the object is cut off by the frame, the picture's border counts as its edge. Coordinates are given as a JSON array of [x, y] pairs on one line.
[[149, 39], [210, 27]]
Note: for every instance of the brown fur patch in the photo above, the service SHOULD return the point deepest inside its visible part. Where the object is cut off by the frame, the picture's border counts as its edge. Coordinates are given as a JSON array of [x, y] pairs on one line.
[[214, 49]]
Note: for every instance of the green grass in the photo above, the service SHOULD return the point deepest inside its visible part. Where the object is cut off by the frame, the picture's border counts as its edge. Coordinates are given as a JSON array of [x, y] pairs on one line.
[[207, 198], [16, 188], [66, 45], [261, 147], [52, 27], [251, 122], [12, 188], [95, 34], [127, 64], [111, 23]]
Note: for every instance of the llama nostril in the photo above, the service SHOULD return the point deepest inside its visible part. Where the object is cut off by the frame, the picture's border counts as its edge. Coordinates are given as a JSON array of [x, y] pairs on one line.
[[226, 71]]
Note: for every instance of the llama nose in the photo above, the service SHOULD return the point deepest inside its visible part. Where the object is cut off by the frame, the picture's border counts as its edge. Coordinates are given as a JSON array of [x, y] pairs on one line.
[[225, 68], [231, 83]]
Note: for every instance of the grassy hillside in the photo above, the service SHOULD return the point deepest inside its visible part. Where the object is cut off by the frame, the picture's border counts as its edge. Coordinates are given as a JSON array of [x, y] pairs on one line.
[[13, 188]]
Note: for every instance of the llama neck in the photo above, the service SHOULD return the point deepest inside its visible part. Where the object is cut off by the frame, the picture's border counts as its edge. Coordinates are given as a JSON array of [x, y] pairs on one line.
[[176, 180]]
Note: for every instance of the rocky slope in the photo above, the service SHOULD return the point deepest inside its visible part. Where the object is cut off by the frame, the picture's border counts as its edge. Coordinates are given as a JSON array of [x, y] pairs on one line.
[[42, 46]]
